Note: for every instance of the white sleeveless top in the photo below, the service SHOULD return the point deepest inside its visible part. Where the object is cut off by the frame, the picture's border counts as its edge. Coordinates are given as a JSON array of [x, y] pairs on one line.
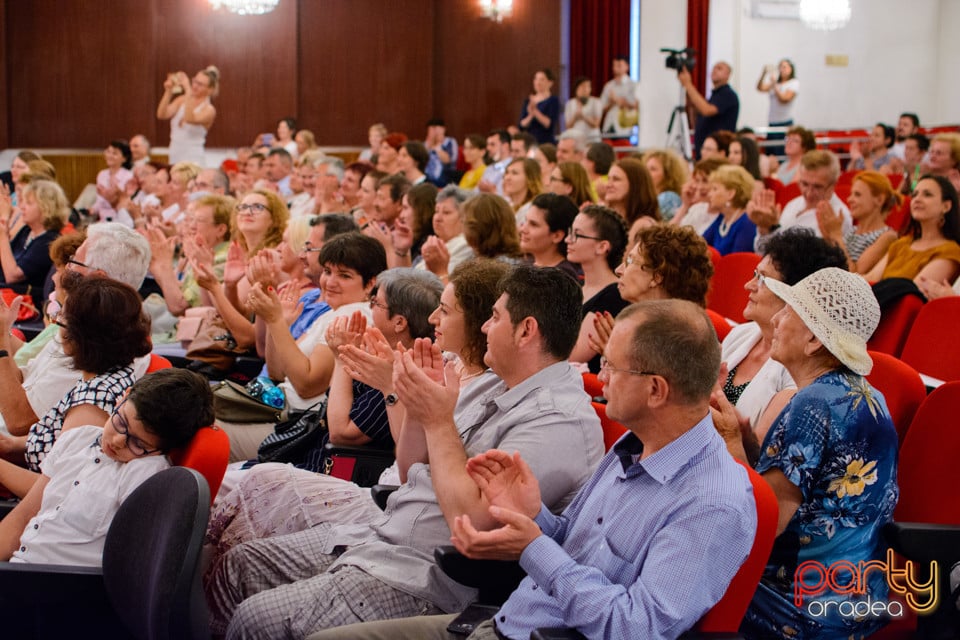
[[187, 140]]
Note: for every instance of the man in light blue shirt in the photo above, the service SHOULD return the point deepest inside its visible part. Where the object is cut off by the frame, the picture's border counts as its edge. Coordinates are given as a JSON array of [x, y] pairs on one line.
[[652, 541]]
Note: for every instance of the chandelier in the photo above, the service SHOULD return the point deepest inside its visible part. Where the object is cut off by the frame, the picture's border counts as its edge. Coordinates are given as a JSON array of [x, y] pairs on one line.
[[245, 7], [496, 10], [825, 15]]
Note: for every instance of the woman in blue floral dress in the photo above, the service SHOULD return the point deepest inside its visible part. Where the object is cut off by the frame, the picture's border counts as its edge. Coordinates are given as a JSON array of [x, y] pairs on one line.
[[831, 459]]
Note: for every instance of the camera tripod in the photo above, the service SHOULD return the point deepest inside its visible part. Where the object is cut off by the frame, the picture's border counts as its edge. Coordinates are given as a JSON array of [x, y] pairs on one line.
[[678, 129]]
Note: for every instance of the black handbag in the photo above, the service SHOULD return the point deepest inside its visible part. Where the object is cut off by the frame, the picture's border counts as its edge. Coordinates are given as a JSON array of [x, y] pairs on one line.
[[292, 439]]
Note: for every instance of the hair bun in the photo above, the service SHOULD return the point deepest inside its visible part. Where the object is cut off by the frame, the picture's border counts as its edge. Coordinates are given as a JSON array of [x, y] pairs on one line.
[[211, 69]]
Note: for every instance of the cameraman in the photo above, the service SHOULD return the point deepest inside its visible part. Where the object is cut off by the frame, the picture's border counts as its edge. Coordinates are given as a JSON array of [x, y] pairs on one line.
[[720, 112]]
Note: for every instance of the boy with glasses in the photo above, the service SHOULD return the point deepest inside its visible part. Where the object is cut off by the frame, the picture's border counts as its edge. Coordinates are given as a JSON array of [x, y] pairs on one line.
[[91, 470]]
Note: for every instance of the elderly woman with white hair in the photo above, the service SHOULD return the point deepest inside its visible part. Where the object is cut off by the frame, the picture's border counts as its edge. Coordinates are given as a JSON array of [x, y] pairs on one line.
[[830, 457]]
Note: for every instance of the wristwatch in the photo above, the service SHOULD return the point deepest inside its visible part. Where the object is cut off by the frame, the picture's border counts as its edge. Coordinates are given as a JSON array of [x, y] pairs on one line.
[[391, 399]]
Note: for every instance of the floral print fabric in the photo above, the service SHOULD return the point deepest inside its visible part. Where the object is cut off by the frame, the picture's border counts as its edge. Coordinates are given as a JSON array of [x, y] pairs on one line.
[[836, 442]]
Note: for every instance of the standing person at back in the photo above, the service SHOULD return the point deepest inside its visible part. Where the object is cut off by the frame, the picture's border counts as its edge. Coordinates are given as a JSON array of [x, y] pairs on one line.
[[619, 99], [720, 112]]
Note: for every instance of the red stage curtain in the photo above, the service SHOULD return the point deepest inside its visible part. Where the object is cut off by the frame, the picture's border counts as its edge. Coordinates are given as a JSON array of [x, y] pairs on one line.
[[698, 17], [599, 30]]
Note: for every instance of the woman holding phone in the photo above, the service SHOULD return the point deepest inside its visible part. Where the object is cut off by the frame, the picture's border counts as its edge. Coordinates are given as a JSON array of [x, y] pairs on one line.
[[187, 105]]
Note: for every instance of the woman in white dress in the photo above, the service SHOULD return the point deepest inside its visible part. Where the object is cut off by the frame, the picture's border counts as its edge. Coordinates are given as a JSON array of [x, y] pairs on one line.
[[187, 105]]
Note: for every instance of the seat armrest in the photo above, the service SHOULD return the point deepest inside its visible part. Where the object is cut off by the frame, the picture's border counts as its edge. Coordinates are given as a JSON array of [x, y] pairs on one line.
[[32, 583], [495, 579], [381, 492], [924, 542]]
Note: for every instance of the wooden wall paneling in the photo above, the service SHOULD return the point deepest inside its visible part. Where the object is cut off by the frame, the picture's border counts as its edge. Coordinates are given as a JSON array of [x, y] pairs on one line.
[[256, 55], [484, 69], [78, 71], [4, 87], [365, 61]]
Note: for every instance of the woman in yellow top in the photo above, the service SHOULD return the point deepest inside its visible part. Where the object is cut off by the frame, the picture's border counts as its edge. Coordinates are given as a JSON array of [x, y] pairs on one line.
[[931, 247], [474, 147]]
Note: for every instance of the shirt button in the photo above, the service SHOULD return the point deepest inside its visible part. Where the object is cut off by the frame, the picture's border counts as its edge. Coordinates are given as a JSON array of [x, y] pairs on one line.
[[76, 482], [22, 549], [96, 460], [502, 618], [600, 520], [36, 526], [534, 587]]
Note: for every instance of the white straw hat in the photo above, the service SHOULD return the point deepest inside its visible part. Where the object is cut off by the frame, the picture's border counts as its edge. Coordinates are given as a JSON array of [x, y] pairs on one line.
[[840, 309]]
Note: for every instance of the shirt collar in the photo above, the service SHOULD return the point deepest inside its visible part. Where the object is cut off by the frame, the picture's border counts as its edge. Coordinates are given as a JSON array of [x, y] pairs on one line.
[[546, 377], [666, 463]]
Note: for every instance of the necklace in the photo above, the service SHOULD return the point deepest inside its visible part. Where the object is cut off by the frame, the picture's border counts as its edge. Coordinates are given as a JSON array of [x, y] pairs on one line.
[[725, 225]]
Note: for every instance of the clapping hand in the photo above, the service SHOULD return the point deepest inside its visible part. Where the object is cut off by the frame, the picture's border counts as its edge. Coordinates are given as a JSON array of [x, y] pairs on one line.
[[371, 362], [512, 491], [763, 210]]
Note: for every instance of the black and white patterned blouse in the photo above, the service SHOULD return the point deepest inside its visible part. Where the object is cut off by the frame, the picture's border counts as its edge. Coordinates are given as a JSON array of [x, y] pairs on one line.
[[102, 391]]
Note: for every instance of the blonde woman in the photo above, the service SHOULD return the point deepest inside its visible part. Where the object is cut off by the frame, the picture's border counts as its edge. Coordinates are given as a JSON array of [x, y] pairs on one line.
[[187, 104]]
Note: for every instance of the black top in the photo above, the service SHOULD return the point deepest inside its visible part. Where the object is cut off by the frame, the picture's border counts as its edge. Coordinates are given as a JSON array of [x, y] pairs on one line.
[[607, 299], [33, 258], [728, 109]]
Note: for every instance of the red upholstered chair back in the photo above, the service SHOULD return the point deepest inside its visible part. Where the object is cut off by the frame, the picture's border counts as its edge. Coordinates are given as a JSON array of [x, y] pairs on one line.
[[895, 323], [208, 453], [927, 470], [901, 386], [157, 363], [720, 324], [592, 385], [611, 430], [726, 615], [727, 295], [933, 346]]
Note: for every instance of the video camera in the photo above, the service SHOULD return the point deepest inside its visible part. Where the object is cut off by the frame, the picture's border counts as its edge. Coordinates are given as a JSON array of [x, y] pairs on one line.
[[679, 59]]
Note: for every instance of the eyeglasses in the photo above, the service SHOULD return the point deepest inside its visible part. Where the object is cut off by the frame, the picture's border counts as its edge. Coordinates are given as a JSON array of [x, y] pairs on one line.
[[605, 367], [121, 426], [308, 248], [573, 236], [374, 303], [251, 209], [77, 263], [812, 186], [57, 320], [760, 278]]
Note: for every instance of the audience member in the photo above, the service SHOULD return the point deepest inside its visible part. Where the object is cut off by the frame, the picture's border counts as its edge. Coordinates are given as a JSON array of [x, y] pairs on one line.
[[842, 426], [521, 144], [798, 142], [387, 160], [944, 157], [375, 136], [619, 99], [915, 147], [306, 141], [25, 259], [448, 247], [819, 171], [596, 242], [521, 184], [443, 152], [187, 105], [907, 125], [544, 231], [103, 329], [743, 152], [757, 385], [541, 111], [716, 144], [783, 88], [490, 228], [139, 150], [583, 111], [278, 168], [630, 192], [498, 157], [162, 412], [875, 154], [112, 181], [694, 210], [871, 198], [532, 402], [546, 157], [286, 129], [412, 159], [597, 161], [668, 172], [570, 179], [666, 482], [473, 152], [571, 146], [929, 245], [717, 114], [731, 188]]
